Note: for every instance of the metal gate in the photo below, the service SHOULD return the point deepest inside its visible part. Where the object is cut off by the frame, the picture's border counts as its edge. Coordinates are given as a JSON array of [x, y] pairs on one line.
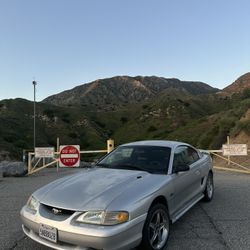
[[36, 164]]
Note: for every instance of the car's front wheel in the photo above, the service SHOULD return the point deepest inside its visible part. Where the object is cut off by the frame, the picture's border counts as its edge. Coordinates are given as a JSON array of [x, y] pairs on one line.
[[156, 229]]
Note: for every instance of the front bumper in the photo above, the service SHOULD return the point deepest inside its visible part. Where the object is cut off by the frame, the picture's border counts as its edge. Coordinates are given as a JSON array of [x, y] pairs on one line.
[[72, 235]]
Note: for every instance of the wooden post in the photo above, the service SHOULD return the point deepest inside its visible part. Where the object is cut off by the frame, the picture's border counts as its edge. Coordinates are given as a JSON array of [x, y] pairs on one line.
[[228, 158], [110, 145]]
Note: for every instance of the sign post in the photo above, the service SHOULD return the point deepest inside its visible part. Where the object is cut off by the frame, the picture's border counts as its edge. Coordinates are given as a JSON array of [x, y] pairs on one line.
[[57, 150], [110, 145], [69, 156]]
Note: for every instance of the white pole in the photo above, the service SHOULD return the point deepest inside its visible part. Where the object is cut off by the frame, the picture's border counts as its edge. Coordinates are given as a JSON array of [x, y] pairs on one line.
[[34, 84], [57, 149], [228, 158]]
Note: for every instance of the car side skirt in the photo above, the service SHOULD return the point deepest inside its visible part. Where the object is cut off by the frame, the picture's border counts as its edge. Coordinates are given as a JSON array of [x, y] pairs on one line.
[[178, 215]]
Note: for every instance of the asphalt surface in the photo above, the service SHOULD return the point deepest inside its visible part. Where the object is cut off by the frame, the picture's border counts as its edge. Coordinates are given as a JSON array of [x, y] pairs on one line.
[[221, 224]]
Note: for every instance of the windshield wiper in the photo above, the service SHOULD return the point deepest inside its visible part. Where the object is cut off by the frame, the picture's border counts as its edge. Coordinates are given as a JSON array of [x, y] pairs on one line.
[[129, 166], [104, 165], [122, 166]]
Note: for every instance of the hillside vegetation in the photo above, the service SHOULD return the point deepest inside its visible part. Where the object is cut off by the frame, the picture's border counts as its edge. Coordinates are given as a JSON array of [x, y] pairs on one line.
[[126, 109]]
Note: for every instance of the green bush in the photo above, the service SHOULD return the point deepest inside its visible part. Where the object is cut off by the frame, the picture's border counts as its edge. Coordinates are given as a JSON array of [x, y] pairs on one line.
[[66, 117], [100, 124], [244, 125], [20, 144], [10, 138], [124, 119], [49, 112], [73, 135], [246, 93], [152, 128]]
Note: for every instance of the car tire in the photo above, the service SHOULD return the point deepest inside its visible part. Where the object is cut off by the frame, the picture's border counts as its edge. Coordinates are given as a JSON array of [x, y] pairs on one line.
[[209, 189], [156, 228]]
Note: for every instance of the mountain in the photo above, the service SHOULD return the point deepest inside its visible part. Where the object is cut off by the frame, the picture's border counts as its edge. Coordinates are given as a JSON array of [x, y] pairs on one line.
[[120, 90], [239, 85], [126, 109], [69, 124]]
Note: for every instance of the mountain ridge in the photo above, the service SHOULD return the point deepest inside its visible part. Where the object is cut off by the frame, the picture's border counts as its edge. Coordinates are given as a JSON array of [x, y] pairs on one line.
[[120, 90], [239, 85], [126, 109]]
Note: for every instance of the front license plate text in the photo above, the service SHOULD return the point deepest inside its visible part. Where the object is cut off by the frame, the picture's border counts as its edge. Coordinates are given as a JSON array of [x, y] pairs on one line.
[[48, 233]]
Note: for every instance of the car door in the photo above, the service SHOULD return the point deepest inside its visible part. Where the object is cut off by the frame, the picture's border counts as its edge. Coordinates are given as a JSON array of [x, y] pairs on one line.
[[186, 184]]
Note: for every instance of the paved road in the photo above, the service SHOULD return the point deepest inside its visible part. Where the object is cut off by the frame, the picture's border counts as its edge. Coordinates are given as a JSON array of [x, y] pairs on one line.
[[222, 224]]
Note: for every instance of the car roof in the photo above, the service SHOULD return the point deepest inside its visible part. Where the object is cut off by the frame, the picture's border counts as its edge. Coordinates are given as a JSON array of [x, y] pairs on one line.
[[161, 143]]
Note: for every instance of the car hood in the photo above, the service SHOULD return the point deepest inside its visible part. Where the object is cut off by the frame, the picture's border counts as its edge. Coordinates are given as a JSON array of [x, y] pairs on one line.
[[90, 189]]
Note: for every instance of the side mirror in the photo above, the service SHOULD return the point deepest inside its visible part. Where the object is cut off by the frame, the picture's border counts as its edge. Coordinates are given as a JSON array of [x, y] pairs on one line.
[[181, 168]]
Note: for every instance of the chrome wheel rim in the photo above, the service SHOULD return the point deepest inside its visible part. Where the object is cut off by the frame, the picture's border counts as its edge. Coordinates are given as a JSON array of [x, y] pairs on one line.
[[158, 229], [210, 187]]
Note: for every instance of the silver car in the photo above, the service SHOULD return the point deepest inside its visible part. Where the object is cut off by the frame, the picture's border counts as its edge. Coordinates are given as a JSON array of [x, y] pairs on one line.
[[129, 199]]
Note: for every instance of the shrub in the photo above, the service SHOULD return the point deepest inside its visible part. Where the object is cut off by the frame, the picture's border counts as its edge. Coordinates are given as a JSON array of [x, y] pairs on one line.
[[124, 119], [246, 93], [100, 124], [73, 135], [244, 125], [152, 128], [10, 138], [49, 112], [20, 144], [65, 117]]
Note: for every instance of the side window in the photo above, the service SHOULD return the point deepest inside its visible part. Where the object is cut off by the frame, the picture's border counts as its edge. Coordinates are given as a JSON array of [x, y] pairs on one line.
[[184, 155], [180, 156], [193, 155]]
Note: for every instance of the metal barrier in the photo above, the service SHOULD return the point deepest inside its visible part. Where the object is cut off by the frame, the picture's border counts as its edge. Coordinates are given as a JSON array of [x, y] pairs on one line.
[[37, 164], [229, 161], [34, 163]]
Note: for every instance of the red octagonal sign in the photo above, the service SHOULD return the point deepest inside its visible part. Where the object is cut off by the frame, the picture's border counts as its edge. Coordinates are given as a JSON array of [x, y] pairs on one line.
[[69, 156]]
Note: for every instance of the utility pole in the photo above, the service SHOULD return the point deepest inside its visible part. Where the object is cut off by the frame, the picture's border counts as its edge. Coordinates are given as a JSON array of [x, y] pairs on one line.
[[34, 84]]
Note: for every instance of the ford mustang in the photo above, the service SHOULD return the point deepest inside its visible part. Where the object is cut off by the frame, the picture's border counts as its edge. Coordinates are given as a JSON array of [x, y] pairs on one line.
[[128, 199]]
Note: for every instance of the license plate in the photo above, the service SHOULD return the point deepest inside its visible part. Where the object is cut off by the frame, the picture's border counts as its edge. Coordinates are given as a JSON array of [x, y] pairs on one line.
[[48, 233]]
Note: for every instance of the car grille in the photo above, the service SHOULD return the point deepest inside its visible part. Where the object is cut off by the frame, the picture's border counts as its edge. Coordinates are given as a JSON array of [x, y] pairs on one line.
[[59, 213]]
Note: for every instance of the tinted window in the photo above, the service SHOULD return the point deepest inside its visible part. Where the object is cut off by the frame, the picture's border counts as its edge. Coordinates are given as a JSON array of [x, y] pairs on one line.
[[185, 155], [153, 159], [193, 155]]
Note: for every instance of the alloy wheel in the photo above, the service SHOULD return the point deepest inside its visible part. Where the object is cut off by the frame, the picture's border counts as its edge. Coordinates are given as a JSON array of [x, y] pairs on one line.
[[210, 186], [158, 229]]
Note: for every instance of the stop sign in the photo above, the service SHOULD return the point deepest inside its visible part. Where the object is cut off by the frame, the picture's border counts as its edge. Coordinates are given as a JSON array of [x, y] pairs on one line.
[[69, 156]]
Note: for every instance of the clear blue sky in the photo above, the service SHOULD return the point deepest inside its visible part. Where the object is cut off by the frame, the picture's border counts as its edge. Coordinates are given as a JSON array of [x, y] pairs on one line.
[[66, 43]]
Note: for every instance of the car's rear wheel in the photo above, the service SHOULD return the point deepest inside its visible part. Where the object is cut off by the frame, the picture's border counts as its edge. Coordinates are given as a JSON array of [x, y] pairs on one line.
[[209, 190], [156, 229]]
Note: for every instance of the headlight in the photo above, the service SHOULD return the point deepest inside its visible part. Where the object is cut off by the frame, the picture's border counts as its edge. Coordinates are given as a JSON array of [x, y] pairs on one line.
[[103, 218], [32, 203]]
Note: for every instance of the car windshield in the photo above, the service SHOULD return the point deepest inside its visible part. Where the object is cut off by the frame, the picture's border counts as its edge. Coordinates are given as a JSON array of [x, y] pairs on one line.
[[153, 159]]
